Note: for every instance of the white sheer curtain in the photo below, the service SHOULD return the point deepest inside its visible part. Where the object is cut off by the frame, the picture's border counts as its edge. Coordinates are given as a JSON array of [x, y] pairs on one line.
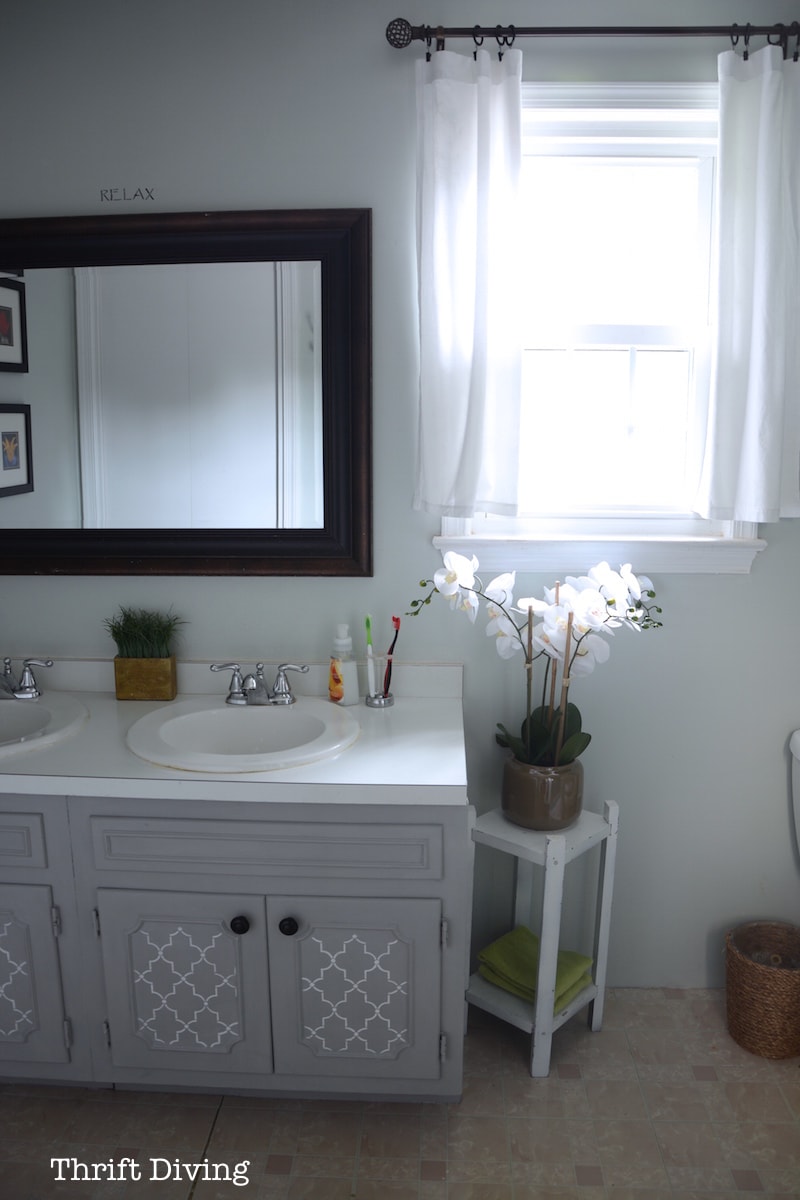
[[469, 151], [751, 464]]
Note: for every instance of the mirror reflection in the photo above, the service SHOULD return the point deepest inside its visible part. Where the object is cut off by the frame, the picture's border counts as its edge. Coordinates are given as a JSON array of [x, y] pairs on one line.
[[200, 395]]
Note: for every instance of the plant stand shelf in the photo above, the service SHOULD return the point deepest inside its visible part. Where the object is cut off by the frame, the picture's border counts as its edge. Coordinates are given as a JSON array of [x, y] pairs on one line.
[[552, 851]]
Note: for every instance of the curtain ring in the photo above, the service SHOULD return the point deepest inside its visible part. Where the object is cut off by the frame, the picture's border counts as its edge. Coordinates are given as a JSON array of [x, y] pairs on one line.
[[504, 39], [734, 36], [440, 38], [781, 37], [478, 42], [747, 29]]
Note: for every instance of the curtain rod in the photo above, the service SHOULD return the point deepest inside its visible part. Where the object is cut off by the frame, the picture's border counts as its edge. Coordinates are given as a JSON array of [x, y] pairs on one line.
[[401, 33]]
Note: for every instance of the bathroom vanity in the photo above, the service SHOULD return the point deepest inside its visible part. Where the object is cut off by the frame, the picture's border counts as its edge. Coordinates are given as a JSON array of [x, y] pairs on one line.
[[302, 931]]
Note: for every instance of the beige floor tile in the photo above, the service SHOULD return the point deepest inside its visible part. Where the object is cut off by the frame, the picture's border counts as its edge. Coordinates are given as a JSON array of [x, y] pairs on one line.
[[662, 1102], [384, 1136]]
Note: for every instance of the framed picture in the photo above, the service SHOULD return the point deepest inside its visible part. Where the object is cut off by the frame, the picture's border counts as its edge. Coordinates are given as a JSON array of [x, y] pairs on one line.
[[16, 462], [13, 331]]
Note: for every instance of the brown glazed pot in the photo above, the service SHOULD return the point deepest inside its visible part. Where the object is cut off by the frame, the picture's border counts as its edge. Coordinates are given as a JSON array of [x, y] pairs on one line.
[[543, 798]]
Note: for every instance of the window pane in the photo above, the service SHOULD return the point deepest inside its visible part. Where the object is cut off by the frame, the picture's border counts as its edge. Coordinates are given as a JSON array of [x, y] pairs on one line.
[[613, 240], [603, 429]]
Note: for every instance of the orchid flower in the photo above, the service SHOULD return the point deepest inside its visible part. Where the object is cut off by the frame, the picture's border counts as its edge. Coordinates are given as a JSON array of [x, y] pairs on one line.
[[564, 629]]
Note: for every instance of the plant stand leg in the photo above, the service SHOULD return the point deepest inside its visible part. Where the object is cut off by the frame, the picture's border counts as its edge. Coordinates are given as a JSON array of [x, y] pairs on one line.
[[602, 922], [548, 956]]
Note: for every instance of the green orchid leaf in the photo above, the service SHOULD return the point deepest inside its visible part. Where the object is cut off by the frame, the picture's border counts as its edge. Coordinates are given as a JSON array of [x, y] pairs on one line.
[[573, 747], [512, 743]]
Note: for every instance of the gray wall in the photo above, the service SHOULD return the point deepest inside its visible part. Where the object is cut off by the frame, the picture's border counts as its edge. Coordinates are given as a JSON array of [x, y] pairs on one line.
[[255, 104]]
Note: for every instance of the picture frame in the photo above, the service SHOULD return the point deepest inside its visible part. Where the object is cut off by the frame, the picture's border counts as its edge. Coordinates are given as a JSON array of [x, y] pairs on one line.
[[16, 457], [13, 326]]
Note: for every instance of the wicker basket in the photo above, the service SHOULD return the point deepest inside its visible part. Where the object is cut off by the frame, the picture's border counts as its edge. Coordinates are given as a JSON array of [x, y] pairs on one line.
[[763, 988]]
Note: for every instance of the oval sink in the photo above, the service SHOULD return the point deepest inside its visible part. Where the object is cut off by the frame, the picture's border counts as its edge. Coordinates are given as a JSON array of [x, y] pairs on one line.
[[36, 724], [206, 734]]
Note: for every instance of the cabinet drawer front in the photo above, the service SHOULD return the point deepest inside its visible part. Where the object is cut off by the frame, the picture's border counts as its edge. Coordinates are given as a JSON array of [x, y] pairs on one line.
[[22, 842], [269, 848]]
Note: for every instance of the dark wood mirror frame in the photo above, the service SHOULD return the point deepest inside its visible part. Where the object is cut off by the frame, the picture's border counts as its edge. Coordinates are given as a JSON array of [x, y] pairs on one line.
[[341, 240]]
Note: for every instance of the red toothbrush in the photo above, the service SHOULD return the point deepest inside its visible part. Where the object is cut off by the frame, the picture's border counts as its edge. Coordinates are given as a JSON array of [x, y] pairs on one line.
[[387, 678]]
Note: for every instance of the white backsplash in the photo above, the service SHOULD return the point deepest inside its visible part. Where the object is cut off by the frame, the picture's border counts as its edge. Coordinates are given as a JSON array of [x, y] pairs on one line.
[[443, 680]]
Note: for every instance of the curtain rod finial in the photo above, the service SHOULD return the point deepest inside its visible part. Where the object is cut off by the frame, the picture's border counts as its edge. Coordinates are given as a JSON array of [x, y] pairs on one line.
[[399, 33]]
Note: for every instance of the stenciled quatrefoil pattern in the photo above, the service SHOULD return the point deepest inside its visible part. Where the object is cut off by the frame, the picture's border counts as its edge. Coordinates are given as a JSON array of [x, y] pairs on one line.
[[17, 1002], [186, 986], [355, 998]]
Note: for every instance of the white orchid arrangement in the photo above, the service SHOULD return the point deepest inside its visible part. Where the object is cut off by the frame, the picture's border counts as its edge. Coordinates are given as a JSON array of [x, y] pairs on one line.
[[571, 619]]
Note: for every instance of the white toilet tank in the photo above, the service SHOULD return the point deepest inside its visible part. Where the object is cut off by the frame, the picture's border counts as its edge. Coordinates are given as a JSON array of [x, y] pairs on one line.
[[794, 746]]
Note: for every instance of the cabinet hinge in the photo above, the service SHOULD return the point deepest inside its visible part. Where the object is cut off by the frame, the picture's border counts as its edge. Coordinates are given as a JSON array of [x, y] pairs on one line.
[[96, 919], [55, 919], [67, 1033], [442, 1047], [444, 932], [107, 1032]]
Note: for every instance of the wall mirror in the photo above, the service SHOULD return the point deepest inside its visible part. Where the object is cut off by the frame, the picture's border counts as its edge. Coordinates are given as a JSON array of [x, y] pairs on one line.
[[246, 337]]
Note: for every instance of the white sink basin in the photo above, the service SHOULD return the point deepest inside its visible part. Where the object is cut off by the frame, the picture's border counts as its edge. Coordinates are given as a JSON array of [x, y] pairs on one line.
[[206, 734], [36, 724]]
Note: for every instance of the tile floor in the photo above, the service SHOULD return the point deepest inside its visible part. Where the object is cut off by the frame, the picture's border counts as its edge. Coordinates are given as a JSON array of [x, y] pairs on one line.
[[660, 1103]]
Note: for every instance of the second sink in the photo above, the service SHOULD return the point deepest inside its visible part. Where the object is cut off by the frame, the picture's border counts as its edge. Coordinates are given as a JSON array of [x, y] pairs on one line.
[[205, 734], [37, 724]]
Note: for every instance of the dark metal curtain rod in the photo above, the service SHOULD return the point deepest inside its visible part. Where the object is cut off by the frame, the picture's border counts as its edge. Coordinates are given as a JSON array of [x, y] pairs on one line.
[[401, 33]]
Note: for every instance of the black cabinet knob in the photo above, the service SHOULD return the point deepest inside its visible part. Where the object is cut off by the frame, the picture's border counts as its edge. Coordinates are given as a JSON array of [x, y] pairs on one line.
[[288, 926], [239, 925]]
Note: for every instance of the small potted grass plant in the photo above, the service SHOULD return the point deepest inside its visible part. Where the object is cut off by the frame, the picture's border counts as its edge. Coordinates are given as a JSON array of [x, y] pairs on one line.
[[144, 667]]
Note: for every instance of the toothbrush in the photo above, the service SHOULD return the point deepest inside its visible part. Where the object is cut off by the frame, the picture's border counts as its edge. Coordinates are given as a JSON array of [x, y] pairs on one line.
[[370, 660], [387, 679]]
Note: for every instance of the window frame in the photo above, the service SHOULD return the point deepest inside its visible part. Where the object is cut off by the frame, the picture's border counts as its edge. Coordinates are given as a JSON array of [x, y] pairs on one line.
[[657, 542]]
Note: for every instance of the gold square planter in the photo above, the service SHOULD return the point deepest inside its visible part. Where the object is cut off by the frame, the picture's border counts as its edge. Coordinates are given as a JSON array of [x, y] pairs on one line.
[[146, 678]]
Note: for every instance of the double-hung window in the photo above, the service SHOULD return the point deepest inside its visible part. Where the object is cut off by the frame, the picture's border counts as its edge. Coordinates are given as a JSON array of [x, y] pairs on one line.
[[618, 260]]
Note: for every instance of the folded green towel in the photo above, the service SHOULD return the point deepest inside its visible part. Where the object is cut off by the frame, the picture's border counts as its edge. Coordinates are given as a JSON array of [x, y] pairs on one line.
[[512, 963]]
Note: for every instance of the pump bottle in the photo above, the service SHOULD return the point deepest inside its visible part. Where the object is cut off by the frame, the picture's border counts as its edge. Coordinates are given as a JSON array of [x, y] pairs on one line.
[[343, 675]]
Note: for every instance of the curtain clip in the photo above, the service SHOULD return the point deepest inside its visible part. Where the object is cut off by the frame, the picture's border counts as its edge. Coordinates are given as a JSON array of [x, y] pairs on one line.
[[504, 39], [779, 36]]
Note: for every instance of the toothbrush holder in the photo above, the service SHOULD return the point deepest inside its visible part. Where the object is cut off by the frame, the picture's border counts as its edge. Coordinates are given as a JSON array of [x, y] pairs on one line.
[[378, 698]]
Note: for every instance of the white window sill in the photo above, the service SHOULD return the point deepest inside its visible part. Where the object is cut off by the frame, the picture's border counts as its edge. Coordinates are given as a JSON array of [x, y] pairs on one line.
[[648, 554]]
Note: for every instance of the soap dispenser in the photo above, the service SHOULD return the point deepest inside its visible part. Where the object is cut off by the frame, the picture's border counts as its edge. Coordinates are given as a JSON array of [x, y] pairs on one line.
[[343, 676]]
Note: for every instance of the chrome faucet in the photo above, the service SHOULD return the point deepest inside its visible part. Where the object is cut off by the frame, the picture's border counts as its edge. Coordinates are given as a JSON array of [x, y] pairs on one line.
[[253, 690], [24, 688]]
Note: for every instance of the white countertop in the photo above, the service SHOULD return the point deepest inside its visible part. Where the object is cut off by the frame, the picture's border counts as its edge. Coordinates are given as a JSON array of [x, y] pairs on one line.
[[412, 753]]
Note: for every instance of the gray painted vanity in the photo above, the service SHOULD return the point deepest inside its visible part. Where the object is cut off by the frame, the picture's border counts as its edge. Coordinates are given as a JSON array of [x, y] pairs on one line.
[[303, 931]]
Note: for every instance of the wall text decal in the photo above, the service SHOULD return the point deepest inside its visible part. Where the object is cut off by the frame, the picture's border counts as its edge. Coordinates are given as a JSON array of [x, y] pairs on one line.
[[122, 193]]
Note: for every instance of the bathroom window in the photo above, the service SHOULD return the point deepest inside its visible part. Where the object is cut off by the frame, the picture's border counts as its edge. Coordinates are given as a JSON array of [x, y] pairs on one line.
[[618, 187]]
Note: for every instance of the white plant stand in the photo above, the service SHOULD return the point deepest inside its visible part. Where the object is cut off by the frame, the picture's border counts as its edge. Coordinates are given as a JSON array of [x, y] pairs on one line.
[[552, 851]]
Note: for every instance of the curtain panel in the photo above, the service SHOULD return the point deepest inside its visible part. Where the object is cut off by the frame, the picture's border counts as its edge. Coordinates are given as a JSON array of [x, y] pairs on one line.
[[751, 457], [469, 149]]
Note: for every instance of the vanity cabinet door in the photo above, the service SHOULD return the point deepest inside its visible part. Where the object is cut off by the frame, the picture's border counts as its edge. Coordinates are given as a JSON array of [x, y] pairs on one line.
[[32, 1022], [186, 980], [356, 986]]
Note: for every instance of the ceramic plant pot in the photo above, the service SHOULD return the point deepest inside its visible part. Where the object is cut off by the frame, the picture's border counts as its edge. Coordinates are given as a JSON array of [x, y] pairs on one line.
[[146, 678], [543, 798]]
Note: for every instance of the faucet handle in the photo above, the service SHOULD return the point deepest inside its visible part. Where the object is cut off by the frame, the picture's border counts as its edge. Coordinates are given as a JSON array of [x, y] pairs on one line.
[[235, 688], [27, 689], [281, 691]]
